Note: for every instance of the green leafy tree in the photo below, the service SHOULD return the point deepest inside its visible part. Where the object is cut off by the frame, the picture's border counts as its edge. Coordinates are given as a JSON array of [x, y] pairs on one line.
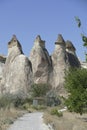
[[38, 90], [83, 35], [76, 85]]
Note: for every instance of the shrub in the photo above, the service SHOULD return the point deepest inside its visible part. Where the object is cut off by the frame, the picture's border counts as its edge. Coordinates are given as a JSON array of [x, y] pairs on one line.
[[9, 100], [39, 107], [5, 101], [26, 106], [54, 111], [52, 98], [38, 90], [76, 85], [18, 101]]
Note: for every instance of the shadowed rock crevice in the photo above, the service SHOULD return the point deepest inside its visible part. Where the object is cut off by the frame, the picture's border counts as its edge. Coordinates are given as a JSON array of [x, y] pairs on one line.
[[73, 60], [71, 54]]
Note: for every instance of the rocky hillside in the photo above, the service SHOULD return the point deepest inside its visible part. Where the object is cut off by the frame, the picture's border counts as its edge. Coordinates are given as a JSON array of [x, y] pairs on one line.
[[18, 72]]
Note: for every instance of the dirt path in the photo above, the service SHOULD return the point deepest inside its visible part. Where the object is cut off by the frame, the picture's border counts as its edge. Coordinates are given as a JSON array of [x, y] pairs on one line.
[[30, 121]]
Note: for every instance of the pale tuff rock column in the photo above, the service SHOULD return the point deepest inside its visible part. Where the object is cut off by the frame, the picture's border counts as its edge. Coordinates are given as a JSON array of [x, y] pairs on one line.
[[59, 64], [41, 62], [17, 73]]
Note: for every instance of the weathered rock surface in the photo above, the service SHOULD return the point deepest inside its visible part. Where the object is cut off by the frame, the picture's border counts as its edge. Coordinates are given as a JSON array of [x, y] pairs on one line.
[[63, 57], [41, 62], [17, 73], [59, 64]]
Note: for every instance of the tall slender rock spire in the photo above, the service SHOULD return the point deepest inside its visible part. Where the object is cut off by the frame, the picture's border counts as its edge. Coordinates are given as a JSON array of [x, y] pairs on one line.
[[59, 64], [17, 72], [41, 62]]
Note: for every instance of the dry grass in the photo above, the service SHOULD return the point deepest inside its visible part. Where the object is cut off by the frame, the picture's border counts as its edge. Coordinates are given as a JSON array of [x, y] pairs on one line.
[[7, 117], [69, 121]]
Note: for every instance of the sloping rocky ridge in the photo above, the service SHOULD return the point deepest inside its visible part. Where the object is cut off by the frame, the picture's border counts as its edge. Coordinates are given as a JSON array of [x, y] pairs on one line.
[[19, 71]]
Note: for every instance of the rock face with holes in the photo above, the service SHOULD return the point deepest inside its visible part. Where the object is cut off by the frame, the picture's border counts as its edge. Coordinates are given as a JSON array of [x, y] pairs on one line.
[[17, 72], [41, 61]]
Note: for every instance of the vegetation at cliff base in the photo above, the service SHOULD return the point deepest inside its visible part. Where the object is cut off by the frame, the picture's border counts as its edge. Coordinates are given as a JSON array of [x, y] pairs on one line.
[[76, 85], [38, 90]]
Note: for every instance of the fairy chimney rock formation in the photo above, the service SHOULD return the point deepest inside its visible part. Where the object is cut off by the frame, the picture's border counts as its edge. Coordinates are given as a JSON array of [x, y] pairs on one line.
[[41, 62], [17, 73], [59, 54], [59, 64]]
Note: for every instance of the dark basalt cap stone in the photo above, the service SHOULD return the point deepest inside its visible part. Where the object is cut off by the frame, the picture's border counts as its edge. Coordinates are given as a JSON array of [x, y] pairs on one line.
[[60, 40], [38, 39], [69, 45], [14, 42]]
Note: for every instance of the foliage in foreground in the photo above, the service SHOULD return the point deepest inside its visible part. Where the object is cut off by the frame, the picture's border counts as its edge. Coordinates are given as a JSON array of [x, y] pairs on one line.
[[38, 90], [54, 111], [76, 85], [8, 101], [83, 35]]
